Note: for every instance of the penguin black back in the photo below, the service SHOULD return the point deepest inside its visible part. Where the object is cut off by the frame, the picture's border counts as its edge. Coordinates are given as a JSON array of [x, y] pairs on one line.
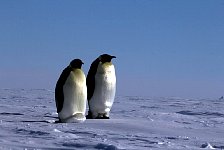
[[90, 80], [59, 96]]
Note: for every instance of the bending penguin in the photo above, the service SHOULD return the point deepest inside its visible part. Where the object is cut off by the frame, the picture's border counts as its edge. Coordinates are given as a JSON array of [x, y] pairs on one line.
[[101, 87], [71, 93]]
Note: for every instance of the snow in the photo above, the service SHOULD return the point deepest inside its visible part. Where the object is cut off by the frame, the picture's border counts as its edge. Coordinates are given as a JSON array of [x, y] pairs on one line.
[[27, 121]]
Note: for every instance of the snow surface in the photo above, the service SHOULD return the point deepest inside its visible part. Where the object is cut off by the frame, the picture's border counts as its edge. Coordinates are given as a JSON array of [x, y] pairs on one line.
[[27, 121]]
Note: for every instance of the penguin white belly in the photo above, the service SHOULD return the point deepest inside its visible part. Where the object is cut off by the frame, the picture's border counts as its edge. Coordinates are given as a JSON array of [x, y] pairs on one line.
[[104, 92], [75, 95]]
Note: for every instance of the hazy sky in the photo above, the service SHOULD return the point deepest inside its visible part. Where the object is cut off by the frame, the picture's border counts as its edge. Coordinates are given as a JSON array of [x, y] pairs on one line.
[[163, 47]]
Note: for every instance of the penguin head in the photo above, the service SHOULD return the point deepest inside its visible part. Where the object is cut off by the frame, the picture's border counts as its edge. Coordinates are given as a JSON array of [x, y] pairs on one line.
[[106, 58], [76, 63]]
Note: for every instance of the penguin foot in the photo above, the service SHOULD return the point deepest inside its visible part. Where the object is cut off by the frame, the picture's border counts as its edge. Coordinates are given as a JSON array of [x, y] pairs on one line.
[[99, 116], [102, 116], [77, 118]]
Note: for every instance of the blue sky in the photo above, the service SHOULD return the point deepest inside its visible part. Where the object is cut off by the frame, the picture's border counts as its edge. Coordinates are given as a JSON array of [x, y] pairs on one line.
[[163, 48]]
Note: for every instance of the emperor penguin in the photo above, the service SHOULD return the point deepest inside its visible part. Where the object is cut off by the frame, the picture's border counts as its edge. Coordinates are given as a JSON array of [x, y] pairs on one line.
[[101, 87], [71, 93]]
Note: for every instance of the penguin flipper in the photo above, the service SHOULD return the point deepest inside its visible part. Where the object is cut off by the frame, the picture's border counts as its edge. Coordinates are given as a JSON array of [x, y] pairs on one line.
[[90, 79], [59, 96]]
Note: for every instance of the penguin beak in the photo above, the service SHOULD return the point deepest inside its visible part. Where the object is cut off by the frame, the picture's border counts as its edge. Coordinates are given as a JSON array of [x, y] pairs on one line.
[[113, 57]]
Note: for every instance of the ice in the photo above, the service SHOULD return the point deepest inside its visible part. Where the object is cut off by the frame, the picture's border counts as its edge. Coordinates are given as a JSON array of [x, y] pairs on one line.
[[28, 121]]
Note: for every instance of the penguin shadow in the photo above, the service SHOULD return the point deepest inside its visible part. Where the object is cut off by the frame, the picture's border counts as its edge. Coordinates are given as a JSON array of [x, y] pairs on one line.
[[49, 119], [36, 121], [54, 120], [12, 114], [41, 121]]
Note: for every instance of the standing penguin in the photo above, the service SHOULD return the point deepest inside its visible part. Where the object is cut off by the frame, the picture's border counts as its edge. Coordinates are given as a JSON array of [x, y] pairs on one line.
[[101, 87], [71, 93]]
